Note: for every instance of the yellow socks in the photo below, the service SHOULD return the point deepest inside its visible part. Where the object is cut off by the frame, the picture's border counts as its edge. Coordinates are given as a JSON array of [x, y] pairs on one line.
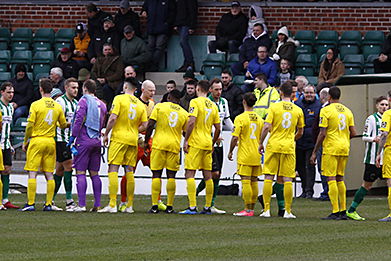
[[1, 192], [191, 192], [208, 192], [267, 193], [341, 195], [170, 187], [156, 187], [50, 191], [255, 192], [246, 193], [113, 188], [288, 196], [31, 190], [333, 195], [389, 198], [130, 184]]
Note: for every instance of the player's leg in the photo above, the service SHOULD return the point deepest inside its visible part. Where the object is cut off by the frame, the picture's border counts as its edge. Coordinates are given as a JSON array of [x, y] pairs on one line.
[[31, 191], [124, 197], [267, 194], [388, 218], [193, 161], [329, 169], [342, 161], [113, 184], [5, 177], [93, 169], [131, 156], [278, 189], [48, 162], [155, 190], [200, 187], [245, 177], [170, 187], [386, 173], [217, 166], [257, 171], [81, 187], [49, 190], [288, 196], [206, 166], [68, 183], [58, 175], [287, 171], [1, 196]]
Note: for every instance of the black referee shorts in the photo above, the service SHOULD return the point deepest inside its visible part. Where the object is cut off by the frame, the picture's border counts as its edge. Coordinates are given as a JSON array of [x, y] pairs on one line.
[[372, 173], [217, 157], [7, 157]]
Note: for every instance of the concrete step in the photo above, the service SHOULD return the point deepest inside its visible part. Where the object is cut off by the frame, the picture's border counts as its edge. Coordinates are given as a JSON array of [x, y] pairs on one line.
[[161, 78]]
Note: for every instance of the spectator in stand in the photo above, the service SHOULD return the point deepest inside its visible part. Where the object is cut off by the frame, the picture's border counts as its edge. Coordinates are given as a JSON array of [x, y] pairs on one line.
[[248, 50], [107, 70], [233, 94], [160, 16], [383, 63], [79, 46], [170, 85], [285, 73], [129, 72], [284, 47], [125, 16], [84, 75], [304, 146], [69, 67], [56, 75], [187, 76], [108, 35], [190, 87], [23, 92], [185, 24], [95, 19], [255, 15], [230, 30], [331, 69], [263, 64], [302, 82], [134, 50]]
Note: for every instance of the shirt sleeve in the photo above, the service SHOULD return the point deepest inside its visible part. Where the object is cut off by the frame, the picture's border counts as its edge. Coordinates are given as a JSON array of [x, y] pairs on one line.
[[154, 113], [386, 121], [61, 119], [144, 117], [193, 109], [186, 116], [62, 103], [237, 127], [368, 127], [301, 123], [270, 115], [80, 113], [351, 120], [115, 108], [32, 114], [323, 121], [216, 118]]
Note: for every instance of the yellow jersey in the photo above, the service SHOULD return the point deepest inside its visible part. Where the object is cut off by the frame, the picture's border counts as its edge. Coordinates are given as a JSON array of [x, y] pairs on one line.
[[337, 119], [386, 126], [44, 115], [130, 113], [248, 128], [207, 114], [285, 117], [171, 120]]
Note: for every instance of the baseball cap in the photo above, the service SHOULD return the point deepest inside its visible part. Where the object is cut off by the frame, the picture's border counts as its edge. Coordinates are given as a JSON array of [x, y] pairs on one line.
[[124, 4], [83, 73], [80, 27], [108, 19], [128, 29], [235, 3], [65, 50]]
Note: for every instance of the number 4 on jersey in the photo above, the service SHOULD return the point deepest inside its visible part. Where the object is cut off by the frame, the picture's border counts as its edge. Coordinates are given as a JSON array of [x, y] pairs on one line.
[[49, 117]]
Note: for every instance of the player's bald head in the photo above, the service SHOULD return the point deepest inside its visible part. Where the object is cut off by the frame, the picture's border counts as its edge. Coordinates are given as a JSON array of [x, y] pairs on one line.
[[148, 85]]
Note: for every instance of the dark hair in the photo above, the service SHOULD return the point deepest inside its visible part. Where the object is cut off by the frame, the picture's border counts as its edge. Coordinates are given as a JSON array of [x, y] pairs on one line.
[[90, 85], [288, 62], [4, 86], [215, 80], [327, 65], [20, 67], [286, 89], [132, 82], [227, 72], [175, 94], [171, 82], [204, 86], [250, 99], [46, 85], [261, 25], [335, 93], [292, 82], [261, 76], [69, 80], [91, 8], [381, 98], [191, 82]]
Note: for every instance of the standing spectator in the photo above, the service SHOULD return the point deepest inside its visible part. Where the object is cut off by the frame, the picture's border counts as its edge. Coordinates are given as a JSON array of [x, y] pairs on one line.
[[255, 15], [233, 94], [383, 63], [56, 75], [170, 85], [263, 64], [284, 47], [265, 94], [69, 67], [79, 46], [304, 146], [331, 69], [230, 30], [185, 24], [248, 50], [108, 72], [95, 19], [23, 92], [160, 16], [285, 73], [190, 87], [125, 16], [134, 50]]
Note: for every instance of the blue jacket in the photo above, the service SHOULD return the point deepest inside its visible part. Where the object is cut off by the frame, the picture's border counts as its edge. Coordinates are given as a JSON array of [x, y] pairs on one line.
[[311, 111], [269, 68], [249, 48], [161, 16]]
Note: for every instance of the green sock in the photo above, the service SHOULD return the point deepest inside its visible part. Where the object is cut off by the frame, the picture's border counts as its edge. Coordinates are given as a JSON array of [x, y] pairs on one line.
[[57, 181], [200, 187], [215, 190], [68, 184], [6, 185], [358, 198], [279, 190]]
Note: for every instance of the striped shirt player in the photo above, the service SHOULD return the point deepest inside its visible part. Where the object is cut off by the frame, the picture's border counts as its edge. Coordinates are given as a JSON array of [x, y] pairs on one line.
[[371, 131], [7, 111]]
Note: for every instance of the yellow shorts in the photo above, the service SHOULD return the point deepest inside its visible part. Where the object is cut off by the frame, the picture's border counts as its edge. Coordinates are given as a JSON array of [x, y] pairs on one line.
[[198, 159], [162, 159], [280, 164], [122, 154], [249, 171], [387, 163], [41, 154], [1, 161], [333, 165]]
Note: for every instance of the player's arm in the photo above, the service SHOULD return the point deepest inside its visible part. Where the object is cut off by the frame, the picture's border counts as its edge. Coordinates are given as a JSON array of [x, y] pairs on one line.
[[27, 135], [80, 115], [216, 134], [299, 133], [110, 123], [148, 133], [368, 130], [229, 124], [265, 130], [143, 126], [234, 142], [383, 139], [352, 131], [319, 141], [189, 130]]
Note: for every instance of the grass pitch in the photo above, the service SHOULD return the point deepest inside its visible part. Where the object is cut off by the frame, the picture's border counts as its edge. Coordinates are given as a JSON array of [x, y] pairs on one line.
[[140, 236]]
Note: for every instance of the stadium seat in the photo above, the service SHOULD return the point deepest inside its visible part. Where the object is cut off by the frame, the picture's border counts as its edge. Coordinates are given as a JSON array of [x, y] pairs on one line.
[[351, 38], [368, 66], [305, 37], [22, 57], [18, 130], [238, 80], [327, 37], [41, 68], [303, 49], [232, 58], [5, 35], [20, 46], [3, 46], [22, 35], [30, 76], [38, 76], [200, 77], [43, 57], [313, 80], [306, 64], [42, 46], [373, 37], [44, 35], [5, 56], [353, 63], [64, 35], [213, 64], [370, 49], [348, 49], [4, 76]]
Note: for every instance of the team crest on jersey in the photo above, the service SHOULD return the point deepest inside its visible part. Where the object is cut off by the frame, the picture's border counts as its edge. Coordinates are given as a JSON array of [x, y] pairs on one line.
[[191, 110], [340, 108], [320, 120], [287, 107], [383, 124], [49, 104]]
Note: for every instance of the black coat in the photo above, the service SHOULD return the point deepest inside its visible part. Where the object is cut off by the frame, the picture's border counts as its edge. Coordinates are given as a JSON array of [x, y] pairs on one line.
[[232, 27], [186, 14], [161, 16], [249, 48], [23, 91], [122, 20], [95, 24], [69, 68], [96, 45], [234, 96]]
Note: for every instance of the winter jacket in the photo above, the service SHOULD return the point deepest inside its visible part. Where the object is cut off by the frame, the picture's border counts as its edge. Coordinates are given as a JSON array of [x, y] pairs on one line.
[[70, 68], [161, 16], [259, 20], [81, 45], [286, 51], [332, 76], [186, 13], [249, 48], [122, 20], [232, 27], [311, 111], [23, 91], [95, 24], [96, 45], [108, 67], [134, 52], [269, 68], [234, 96], [185, 101]]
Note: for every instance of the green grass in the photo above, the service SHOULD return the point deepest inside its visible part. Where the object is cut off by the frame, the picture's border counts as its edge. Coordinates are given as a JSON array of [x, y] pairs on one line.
[[90, 236]]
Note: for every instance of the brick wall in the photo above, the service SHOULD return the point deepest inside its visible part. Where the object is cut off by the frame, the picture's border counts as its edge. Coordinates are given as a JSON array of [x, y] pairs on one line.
[[313, 17]]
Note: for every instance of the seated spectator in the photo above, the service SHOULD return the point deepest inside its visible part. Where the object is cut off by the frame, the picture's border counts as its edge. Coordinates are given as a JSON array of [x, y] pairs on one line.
[[129, 72], [383, 63], [69, 67], [125, 16], [233, 94], [107, 70], [134, 50], [23, 92], [160, 16], [170, 85], [84, 75], [265, 95], [331, 69], [255, 15], [57, 78], [95, 19], [248, 50], [284, 47], [79, 46], [230, 30], [263, 64], [190, 94], [285, 73]]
